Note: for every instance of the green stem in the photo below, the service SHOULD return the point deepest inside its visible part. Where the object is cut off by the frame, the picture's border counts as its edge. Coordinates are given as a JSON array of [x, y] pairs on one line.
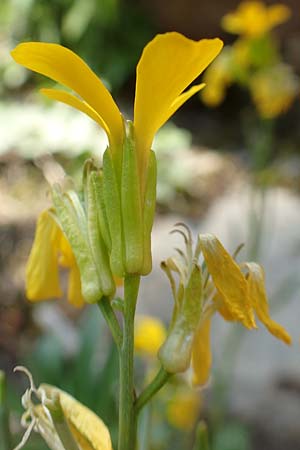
[[111, 319], [156, 384], [5, 437], [127, 418]]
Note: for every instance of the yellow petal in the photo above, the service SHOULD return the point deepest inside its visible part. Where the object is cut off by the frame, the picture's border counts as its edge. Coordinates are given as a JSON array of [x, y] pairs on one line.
[[88, 429], [67, 259], [179, 101], [259, 300], [75, 102], [201, 354], [278, 14], [168, 65], [228, 279], [42, 278], [74, 287], [62, 65]]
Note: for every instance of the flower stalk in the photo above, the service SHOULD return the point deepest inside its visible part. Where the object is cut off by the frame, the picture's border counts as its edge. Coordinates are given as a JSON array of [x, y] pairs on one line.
[[127, 417]]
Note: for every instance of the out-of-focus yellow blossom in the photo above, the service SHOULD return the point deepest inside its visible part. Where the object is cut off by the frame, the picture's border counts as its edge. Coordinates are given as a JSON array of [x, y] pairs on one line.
[[49, 251], [183, 408], [254, 18], [233, 291], [273, 89], [150, 333], [218, 77]]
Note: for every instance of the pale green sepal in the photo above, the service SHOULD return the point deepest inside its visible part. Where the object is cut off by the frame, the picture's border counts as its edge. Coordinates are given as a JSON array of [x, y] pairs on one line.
[[97, 244], [97, 180], [131, 209], [149, 211], [90, 285], [175, 354], [113, 211]]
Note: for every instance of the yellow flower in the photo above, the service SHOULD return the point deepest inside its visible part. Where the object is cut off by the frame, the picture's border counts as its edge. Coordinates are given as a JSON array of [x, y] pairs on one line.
[[150, 334], [253, 19], [49, 251], [233, 291], [273, 90], [183, 408], [219, 77], [169, 63]]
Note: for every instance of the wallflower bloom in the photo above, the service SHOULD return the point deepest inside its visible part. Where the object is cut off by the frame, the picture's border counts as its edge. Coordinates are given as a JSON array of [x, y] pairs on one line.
[[127, 189], [169, 63], [254, 19], [236, 292]]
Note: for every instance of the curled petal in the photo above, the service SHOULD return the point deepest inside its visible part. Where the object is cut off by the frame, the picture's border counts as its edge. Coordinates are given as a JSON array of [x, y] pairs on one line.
[[42, 277], [75, 102], [259, 300], [228, 280], [201, 354], [62, 65], [88, 429], [169, 63]]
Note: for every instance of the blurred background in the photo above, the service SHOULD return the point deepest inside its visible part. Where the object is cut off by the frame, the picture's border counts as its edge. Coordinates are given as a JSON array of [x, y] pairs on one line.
[[228, 163]]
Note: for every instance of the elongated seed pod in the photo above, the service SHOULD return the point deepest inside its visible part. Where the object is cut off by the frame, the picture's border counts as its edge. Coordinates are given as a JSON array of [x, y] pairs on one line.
[[98, 248], [113, 211], [131, 209], [91, 289], [149, 212]]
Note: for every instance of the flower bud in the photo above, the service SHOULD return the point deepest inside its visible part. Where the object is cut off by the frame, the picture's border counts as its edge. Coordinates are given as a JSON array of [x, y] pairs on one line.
[[113, 212], [175, 354], [97, 244], [148, 213], [70, 215], [131, 209]]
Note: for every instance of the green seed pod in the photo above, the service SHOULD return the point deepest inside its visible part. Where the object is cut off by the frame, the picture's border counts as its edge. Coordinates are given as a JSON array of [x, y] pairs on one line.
[[131, 209], [175, 354], [148, 212], [91, 289], [113, 212], [98, 248]]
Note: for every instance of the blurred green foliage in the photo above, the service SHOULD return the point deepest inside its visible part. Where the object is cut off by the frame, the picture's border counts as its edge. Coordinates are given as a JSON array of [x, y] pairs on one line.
[[108, 34]]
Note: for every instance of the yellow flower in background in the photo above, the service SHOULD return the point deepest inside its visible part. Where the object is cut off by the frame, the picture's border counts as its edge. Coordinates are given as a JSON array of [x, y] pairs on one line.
[[49, 251], [253, 18], [150, 333], [273, 90], [168, 65], [183, 408], [218, 76], [236, 292]]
